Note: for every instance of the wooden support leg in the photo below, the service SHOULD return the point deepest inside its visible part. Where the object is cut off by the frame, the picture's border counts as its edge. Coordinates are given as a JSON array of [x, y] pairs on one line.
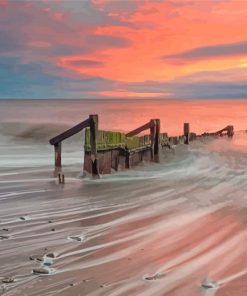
[[230, 131], [127, 160], [59, 178], [186, 133], [58, 159], [93, 143], [157, 140], [152, 136]]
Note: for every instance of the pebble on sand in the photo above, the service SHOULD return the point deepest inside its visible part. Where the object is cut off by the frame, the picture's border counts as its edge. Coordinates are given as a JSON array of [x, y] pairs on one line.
[[51, 255], [209, 284], [36, 257], [75, 238], [24, 218], [8, 280], [155, 276], [40, 271], [2, 237]]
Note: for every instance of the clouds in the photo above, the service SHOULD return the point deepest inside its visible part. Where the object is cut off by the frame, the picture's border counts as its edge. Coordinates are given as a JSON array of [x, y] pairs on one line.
[[105, 48], [10, 41], [19, 80], [86, 63], [213, 51]]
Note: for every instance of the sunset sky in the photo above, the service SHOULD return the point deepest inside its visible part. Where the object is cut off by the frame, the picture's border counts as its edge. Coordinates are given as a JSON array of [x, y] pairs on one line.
[[123, 48]]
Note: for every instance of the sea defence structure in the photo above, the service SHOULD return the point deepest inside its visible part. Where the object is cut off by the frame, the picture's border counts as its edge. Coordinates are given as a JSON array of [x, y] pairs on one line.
[[109, 150]]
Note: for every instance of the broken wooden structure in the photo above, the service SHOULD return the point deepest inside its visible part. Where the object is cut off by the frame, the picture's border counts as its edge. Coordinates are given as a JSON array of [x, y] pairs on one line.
[[106, 150]]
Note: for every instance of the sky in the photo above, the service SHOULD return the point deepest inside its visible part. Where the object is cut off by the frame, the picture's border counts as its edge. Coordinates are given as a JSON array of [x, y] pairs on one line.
[[190, 49]]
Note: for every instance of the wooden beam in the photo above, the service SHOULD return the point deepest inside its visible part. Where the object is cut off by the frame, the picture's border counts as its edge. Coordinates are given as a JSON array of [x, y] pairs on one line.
[[127, 160], [70, 132], [93, 123], [152, 136], [186, 133], [157, 140], [58, 158], [230, 131], [140, 129]]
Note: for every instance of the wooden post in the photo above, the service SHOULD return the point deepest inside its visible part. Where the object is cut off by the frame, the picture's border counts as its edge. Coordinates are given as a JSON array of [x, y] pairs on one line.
[[157, 140], [152, 136], [127, 160], [93, 142], [58, 158], [230, 131], [186, 133]]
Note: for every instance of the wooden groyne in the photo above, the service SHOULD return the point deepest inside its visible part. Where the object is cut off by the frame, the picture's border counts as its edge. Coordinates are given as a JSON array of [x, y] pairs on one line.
[[105, 151]]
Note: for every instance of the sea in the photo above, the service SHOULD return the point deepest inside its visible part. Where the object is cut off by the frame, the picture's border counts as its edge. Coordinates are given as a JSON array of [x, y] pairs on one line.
[[175, 228]]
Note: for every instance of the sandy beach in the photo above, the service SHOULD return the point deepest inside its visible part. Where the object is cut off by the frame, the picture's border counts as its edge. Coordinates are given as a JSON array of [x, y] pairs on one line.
[[158, 229]]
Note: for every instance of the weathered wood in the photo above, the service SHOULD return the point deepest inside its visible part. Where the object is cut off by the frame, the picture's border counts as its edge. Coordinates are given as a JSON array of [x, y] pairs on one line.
[[59, 179], [152, 136], [107, 150], [93, 123], [127, 160], [140, 129], [186, 133], [58, 158], [115, 159], [105, 140], [192, 137], [70, 132], [230, 131], [157, 140]]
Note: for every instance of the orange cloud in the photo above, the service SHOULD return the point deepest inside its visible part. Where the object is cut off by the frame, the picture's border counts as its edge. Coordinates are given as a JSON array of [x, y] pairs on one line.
[[166, 28]]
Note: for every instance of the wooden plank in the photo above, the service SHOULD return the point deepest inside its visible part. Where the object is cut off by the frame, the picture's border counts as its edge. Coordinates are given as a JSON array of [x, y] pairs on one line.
[[93, 123], [58, 159], [152, 136], [230, 131], [157, 140], [127, 160], [186, 133], [140, 129], [70, 132], [105, 140], [114, 159]]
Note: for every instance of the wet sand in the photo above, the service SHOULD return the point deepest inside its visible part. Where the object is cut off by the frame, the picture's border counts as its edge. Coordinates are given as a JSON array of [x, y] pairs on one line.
[[159, 229]]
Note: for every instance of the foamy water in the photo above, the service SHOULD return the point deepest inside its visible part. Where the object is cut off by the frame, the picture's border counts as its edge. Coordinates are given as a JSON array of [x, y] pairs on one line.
[[159, 229]]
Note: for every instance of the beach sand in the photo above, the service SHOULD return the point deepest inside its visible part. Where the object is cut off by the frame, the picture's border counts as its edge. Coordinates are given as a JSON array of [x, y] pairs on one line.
[[158, 229], [155, 230]]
